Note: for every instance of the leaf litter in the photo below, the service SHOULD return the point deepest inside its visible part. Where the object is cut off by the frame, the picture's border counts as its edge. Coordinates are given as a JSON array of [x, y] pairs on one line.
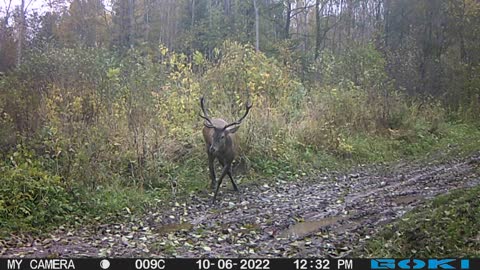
[[327, 215]]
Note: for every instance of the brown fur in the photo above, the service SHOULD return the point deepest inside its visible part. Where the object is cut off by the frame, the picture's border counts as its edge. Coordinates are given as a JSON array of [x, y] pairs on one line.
[[220, 143]]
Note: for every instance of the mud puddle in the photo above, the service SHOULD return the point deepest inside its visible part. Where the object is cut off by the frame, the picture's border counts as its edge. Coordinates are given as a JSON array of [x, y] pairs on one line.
[[303, 229], [408, 199]]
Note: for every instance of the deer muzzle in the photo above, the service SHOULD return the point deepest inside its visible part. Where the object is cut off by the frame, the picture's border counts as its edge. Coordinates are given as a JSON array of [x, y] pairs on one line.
[[212, 149]]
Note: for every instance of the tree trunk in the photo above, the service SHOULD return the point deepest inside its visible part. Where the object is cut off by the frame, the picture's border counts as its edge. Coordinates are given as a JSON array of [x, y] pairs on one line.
[[193, 13], [463, 50], [21, 33], [317, 28], [131, 15], [305, 27], [4, 24], [257, 23], [288, 19], [226, 7], [386, 18], [147, 19]]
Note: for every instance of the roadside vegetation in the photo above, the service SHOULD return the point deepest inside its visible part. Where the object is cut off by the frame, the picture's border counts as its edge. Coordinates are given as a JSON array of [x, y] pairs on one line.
[[99, 117], [445, 227], [102, 135]]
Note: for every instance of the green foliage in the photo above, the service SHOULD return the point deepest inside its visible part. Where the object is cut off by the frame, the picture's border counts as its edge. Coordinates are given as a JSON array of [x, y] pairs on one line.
[[108, 120], [360, 65], [445, 227], [31, 196], [104, 126]]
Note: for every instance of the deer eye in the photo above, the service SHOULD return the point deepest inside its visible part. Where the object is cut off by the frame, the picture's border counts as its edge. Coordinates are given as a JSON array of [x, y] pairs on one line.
[[223, 136]]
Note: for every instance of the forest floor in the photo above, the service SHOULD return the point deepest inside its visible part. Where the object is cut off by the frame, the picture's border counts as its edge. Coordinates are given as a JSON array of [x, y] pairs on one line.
[[330, 214]]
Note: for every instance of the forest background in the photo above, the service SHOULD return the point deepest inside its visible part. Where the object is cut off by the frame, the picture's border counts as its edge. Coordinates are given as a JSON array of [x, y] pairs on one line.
[[99, 100]]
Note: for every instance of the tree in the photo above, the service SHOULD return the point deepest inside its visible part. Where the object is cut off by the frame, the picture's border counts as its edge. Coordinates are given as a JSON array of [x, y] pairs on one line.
[[288, 17], [257, 26], [7, 40], [21, 32]]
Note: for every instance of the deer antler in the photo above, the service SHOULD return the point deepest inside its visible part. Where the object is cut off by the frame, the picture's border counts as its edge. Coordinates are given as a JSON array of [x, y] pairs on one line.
[[248, 106], [205, 116]]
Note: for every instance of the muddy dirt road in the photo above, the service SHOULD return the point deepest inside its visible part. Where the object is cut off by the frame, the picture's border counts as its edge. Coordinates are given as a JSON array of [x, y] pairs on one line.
[[326, 215]]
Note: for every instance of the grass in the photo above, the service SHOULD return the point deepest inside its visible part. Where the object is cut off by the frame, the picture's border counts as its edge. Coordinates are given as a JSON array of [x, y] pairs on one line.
[[451, 139], [191, 174], [447, 226], [105, 204], [115, 200]]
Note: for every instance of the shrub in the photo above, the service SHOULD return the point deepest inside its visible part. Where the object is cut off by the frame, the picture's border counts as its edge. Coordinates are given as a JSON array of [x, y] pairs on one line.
[[31, 196]]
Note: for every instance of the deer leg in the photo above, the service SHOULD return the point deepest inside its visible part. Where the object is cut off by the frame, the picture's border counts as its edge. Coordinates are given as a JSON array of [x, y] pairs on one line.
[[229, 172], [235, 187], [211, 168], [224, 172]]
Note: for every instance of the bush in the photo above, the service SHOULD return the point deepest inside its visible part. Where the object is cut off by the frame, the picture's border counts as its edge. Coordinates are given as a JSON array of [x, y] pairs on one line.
[[31, 196]]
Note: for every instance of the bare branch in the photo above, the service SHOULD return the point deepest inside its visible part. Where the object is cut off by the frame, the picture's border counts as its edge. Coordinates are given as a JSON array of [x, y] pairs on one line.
[[7, 10], [26, 7]]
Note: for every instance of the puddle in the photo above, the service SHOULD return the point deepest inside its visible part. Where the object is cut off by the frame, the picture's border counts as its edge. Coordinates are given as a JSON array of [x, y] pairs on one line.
[[175, 228], [407, 199], [305, 228], [351, 224]]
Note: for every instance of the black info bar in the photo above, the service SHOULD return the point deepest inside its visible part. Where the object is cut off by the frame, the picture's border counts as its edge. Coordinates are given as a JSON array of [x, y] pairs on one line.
[[238, 264]]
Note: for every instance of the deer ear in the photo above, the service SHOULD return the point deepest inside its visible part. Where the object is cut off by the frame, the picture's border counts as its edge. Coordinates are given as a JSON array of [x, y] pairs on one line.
[[233, 129]]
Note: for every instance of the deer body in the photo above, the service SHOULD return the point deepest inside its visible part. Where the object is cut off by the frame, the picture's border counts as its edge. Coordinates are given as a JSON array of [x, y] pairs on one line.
[[224, 154], [220, 144]]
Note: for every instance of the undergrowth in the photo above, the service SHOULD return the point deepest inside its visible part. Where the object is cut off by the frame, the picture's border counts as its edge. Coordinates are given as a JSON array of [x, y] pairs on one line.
[[88, 135], [445, 227]]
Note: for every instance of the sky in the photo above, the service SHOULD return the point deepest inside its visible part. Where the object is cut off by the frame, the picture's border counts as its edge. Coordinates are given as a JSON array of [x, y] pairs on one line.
[[34, 4], [39, 6]]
